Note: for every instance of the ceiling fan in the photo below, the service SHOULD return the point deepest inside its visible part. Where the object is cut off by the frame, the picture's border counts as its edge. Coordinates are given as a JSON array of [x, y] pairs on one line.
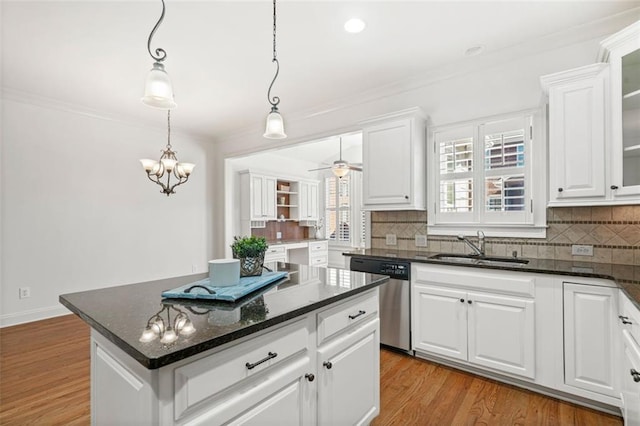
[[340, 167]]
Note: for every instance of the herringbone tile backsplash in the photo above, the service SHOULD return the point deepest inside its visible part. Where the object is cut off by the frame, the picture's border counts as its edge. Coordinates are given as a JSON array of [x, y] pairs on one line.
[[613, 231]]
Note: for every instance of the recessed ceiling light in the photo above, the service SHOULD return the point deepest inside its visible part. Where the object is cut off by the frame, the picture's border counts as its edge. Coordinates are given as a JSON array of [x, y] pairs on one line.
[[474, 51], [354, 25]]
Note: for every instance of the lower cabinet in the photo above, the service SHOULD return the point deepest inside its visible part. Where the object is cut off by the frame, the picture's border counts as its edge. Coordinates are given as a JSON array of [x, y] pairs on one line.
[[484, 329], [293, 375], [590, 343], [630, 384], [348, 392]]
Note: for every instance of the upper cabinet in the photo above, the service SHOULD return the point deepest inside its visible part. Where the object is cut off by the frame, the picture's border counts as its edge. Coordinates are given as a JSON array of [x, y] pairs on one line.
[[258, 197], [622, 50], [394, 161], [594, 127], [308, 208], [577, 134]]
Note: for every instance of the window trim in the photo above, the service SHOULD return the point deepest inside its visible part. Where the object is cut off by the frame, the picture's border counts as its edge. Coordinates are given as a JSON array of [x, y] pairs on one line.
[[535, 195], [355, 213]]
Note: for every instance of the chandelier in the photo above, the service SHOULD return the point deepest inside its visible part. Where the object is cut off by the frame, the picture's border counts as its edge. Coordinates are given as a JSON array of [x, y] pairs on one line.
[[275, 124], [162, 171]]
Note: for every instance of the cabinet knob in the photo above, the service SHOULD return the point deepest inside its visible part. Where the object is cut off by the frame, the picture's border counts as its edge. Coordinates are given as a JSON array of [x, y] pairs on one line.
[[635, 375], [462, 300], [614, 187], [469, 302], [406, 197], [310, 377], [625, 320], [560, 189], [328, 365]]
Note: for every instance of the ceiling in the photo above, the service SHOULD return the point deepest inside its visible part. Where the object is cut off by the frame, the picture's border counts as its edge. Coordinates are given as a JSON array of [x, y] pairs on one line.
[[92, 54]]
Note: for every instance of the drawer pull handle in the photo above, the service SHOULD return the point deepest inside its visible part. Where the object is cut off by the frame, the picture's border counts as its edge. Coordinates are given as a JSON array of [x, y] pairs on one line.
[[265, 359], [357, 315], [310, 377], [328, 365], [614, 187], [625, 320], [635, 375]]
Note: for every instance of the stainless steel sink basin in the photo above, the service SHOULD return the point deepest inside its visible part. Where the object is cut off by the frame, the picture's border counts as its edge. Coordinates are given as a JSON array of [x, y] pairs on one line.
[[479, 260]]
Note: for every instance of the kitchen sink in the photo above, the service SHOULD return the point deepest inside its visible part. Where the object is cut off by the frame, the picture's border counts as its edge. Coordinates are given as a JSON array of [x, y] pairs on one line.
[[472, 259]]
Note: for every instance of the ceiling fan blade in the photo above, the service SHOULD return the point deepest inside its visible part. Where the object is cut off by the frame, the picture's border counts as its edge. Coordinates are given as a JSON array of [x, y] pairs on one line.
[[355, 168], [321, 168]]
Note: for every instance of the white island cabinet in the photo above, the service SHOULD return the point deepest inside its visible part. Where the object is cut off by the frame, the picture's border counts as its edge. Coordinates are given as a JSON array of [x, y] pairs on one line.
[[319, 368]]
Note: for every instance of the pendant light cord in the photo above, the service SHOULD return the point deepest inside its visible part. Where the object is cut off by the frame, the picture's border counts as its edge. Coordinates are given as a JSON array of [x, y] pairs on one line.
[[275, 100], [161, 54], [169, 129]]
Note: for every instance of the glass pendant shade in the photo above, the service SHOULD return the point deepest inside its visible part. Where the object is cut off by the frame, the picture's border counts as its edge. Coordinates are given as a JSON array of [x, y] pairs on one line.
[[158, 92], [275, 125]]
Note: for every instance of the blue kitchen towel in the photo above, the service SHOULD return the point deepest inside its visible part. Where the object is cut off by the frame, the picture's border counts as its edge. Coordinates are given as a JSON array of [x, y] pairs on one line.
[[204, 290]]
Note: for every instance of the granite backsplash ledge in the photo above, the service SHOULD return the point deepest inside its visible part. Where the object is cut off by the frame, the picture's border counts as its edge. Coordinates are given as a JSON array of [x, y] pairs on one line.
[[613, 231]]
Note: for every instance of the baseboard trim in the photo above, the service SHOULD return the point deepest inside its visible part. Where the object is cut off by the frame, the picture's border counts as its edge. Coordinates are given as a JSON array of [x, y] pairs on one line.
[[575, 399], [24, 317]]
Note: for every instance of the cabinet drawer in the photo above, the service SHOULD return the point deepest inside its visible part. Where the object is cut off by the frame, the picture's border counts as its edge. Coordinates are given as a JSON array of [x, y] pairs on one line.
[[318, 246], [334, 320], [319, 260], [207, 377], [275, 251]]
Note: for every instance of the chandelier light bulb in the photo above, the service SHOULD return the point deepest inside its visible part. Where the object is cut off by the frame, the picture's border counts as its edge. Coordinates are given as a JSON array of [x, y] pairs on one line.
[[187, 329], [147, 164]]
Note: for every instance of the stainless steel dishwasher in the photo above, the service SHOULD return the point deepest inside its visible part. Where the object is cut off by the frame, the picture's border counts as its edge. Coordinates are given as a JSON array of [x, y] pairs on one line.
[[395, 303]]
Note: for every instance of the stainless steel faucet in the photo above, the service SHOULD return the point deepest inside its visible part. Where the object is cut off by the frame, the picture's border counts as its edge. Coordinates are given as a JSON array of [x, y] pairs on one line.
[[478, 250]]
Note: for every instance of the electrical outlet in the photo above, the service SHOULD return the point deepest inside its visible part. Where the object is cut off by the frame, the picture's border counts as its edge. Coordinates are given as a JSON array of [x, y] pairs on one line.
[[278, 235], [194, 268], [421, 240], [391, 240], [24, 292], [581, 250]]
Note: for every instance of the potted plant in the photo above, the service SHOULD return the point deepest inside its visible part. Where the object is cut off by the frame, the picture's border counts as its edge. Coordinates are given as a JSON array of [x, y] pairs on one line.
[[250, 251]]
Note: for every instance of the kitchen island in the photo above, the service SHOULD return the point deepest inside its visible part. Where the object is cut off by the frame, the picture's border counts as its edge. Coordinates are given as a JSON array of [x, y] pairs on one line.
[[303, 350]]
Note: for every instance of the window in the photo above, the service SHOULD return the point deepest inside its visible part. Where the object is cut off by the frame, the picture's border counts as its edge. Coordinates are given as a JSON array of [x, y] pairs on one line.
[[483, 176], [345, 221]]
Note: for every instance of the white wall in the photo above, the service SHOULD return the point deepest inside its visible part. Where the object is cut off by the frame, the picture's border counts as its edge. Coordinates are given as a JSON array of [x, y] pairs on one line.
[[500, 88], [79, 213]]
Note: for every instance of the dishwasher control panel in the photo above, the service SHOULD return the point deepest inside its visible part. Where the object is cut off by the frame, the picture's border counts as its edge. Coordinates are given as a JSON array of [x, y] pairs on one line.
[[394, 269]]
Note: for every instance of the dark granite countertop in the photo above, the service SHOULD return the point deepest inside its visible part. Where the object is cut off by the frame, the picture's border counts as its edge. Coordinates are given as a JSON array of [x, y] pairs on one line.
[[627, 277], [122, 313]]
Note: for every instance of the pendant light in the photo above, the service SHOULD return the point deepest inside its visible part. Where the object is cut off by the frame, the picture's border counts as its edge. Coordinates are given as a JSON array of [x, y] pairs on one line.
[[167, 166], [275, 124], [158, 92]]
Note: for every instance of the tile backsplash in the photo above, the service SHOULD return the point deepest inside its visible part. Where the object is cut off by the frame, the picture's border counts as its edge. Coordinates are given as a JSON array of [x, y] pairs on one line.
[[613, 231]]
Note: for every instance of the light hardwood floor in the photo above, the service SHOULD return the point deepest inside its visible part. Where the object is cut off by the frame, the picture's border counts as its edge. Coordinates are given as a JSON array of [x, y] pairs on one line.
[[44, 380]]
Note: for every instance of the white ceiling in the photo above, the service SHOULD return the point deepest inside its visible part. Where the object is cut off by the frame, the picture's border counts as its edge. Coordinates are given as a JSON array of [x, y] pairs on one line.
[[92, 54]]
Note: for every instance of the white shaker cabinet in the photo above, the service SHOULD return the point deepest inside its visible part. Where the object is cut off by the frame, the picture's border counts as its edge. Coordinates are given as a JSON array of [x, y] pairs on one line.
[[394, 161], [308, 202], [590, 315], [577, 134], [453, 318], [257, 197]]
